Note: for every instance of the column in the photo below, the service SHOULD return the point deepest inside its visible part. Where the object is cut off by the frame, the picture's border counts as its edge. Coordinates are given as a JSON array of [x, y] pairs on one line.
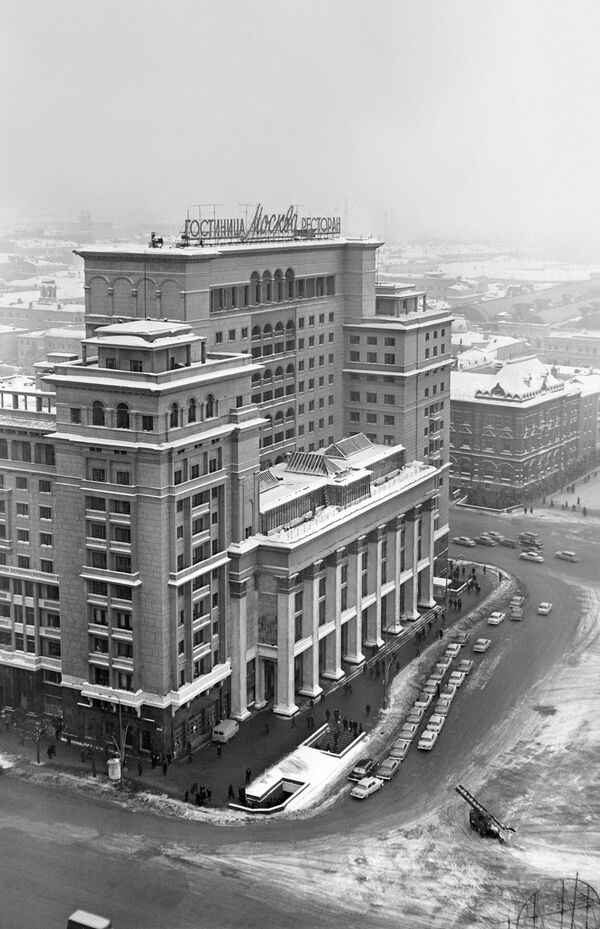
[[111, 300], [333, 643], [260, 685], [310, 627], [238, 605], [286, 589], [427, 552], [411, 562], [395, 531], [354, 654], [373, 631]]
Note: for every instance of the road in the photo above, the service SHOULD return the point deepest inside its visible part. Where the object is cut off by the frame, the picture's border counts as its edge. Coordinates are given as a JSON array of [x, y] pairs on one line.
[[405, 856]]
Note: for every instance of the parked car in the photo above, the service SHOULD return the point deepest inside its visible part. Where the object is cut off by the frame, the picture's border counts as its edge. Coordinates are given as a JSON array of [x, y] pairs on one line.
[[485, 540], [424, 699], [516, 614], [465, 666], [408, 731], [461, 638], [482, 645], [365, 787], [400, 749], [363, 768], [494, 535], [463, 540], [437, 675], [449, 690], [436, 722], [517, 601], [442, 706], [431, 685], [523, 536], [443, 663], [532, 556], [427, 740], [494, 619], [566, 556], [508, 543], [416, 714], [544, 608], [456, 678], [453, 650], [388, 768]]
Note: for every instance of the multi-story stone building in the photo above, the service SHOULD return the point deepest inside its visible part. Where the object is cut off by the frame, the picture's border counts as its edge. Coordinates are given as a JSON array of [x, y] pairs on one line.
[[516, 431], [187, 534]]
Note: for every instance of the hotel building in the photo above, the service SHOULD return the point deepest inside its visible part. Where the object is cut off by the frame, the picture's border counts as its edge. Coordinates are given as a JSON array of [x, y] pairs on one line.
[[234, 494]]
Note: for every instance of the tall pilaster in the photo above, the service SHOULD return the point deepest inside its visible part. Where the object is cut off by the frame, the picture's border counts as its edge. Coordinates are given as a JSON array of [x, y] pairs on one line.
[[333, 643], [238, 643], [411, 548], [284, 698], [354, 655], [310, 627], [427, 552], [375, 543], [395, 543]]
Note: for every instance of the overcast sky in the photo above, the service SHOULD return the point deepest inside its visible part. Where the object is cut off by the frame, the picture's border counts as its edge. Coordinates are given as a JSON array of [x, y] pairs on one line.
[[455, 117]]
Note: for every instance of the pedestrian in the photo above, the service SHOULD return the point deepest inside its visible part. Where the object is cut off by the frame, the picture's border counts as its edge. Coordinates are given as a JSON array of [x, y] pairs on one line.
[[230, 792], [336, 715], [438, 689], [367, 709], [294, 721], [266, 728], [186, 796], [164, 767], [360, 728], [441, 633], [473, 571], [241, 794], [397, 665], [335, 742], [152, 760], [327, 714], [578, 501], [308, 721], [218, 751], [49, 752], [198, 800], [312, 702], [208, 793], [350, 690], [484, 569], [328, 749], [248, 775], [169, 758], [345, 723], [195, 787], [140, 768], [459, 603], [463, 570]]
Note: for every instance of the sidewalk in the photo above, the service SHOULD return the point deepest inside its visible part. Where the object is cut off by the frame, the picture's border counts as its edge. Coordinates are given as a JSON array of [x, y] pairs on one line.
[[264, 738]]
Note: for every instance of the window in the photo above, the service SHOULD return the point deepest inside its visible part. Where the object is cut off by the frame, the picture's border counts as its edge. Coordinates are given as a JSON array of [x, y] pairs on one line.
[[389, 343], [371, 417], [23, 561], [122, 416], [95, 503], [192, 411], [147, 423], [111, 363], [389, 359], [135, 366], [371, 398], [371, 340], [75, 414], [218, 337], [123, 564], [232, 335], [22, 535], [388, 420], [174, 416], [354, 356], [122, 534], [120, 506], [47, 566], [45, 512], [123, 477], [354, 416], [97, 413], [22, 509], [372, 357], [427, 353], [354, 340], [22, 483], [96, 559], [45, 487]]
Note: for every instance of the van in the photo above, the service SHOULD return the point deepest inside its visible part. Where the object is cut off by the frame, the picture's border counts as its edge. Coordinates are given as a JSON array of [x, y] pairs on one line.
[[566, 556], [225, 730]]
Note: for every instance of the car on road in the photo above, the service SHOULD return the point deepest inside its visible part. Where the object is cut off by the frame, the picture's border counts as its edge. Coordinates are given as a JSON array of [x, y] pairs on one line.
[[485, 540], [442, 707], [517, 601], [400, 749], [482, 645], [463, 540], [566, 556], [532, 556], [365, 787], [456, 678], [544, 608], [436, 722], [408, 731], [516, 614], [465, 666], [416, 714], [448, 691], [460, 638], [424, 699], [427, 740], [494, 619], [363, 768], [453, 650], [388, 768]]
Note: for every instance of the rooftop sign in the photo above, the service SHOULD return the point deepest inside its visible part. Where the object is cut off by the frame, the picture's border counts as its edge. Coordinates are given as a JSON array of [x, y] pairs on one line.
[[262, 227]]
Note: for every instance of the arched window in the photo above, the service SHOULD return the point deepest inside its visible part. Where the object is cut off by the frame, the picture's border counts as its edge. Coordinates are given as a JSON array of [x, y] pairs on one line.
[[192, 411], [256, 332], [97, 413], [279, 371], [267, 287], [290, 413], [122, 416], [289, 370], [211, 407], [278, 282], [268, 331], [255, 287], [279, 417], [256, 377], [279, 326], [174, 416], [268, 374], [289, 284], [290, 324]]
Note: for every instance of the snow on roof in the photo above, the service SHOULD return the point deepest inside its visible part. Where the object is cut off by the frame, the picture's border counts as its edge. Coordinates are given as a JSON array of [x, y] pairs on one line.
[[518, 380]]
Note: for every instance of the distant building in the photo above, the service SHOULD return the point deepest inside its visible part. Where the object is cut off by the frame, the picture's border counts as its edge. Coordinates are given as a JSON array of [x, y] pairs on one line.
[[518, 432]]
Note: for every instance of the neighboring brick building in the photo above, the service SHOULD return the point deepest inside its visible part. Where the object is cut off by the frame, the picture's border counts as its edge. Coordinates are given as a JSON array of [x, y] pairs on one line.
[[219, 543], [517, 432]]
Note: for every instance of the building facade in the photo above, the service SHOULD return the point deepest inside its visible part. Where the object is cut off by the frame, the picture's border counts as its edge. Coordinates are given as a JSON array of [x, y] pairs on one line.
[[518, 432], [187, 534]]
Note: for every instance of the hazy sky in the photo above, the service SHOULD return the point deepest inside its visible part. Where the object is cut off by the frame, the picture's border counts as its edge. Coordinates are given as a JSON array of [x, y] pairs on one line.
[[454, 117]]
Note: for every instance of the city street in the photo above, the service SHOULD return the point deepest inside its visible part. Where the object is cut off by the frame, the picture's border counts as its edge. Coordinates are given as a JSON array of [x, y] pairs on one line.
[[520, 736]]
